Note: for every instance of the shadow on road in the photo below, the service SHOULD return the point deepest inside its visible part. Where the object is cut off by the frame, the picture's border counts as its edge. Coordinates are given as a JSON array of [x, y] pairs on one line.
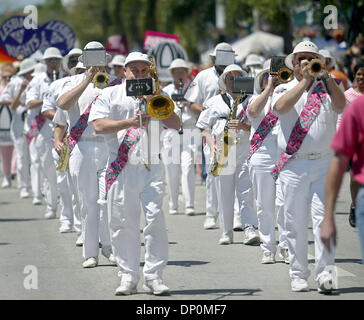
[[183, 263], [351, 290], [222, 293], [18, 219]]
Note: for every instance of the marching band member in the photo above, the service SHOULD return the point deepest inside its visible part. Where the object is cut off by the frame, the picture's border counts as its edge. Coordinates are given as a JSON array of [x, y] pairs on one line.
[[68, 218], [117, 65], [262, 158], [41, 131], [118, 116], [235, 178], [202, 88], [308, 110], [87, 159], [15, 94], [181, 144], [70, 61]]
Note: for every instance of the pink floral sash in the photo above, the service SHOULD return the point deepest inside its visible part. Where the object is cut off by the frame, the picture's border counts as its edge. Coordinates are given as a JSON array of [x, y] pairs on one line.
[[78, 129], [262, 131], [131, 138], [35, 127], [301, 128]]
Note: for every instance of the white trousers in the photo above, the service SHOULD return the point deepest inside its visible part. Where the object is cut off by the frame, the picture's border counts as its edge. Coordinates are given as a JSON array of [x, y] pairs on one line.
[[236, 185], [211, 191], [124, 202], [44, 148], [179, 156], [303, 187], [36, 174], [22, 161], [265, 194], [69, 207], [87, 160]]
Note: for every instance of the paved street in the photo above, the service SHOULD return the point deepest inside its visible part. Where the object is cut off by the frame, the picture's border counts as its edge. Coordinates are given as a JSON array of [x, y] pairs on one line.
[[198, 267]]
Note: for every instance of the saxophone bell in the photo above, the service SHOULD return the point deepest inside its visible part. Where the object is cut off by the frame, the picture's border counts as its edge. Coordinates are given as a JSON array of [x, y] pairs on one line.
[[63, 160]]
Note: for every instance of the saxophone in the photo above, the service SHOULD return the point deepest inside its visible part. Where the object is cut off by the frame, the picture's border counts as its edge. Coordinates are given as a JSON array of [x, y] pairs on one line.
[[62, 165], [227, 139]]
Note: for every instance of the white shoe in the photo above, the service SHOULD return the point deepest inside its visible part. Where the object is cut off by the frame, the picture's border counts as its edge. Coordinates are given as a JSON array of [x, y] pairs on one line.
[[126, 288], [50, 215], [172, 211], [37, 201], [250, 236], [210, 223], [24, 193], [65, 227], [325, 284], [90, 262], [238, 226], [156, 287], [79, 241], [299, 285], [6, 182], [107, 253], [190, 211], [283, 254], [268, 258], [226, 239]]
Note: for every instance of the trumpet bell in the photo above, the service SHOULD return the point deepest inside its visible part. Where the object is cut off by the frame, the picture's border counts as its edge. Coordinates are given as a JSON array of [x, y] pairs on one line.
[[285, 75], [101, 80], [160, 107], [315, 67]]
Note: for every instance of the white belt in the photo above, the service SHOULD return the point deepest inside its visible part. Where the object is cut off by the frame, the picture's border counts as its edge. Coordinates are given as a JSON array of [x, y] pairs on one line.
[[312, 155], [92, 139]]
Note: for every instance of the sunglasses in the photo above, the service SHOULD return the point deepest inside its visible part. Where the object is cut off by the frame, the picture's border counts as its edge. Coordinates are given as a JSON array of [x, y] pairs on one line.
[[74, 61], [53, 60]]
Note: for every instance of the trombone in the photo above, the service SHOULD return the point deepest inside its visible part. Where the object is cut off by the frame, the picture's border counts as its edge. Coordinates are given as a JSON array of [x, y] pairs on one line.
[[159, 107]]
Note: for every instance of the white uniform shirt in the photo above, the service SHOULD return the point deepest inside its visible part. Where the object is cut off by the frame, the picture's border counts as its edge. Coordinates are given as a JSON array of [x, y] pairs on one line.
[[75, 112], [36, 90], [114, 104], [50, 98], [188, 117], [203, 87], [322, 130], [255, 122], [213, 118], [9, 93]]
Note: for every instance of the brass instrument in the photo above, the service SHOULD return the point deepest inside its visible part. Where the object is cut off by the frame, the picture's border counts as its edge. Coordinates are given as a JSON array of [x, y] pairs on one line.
[[315, 67], [62, 165], [54, 75], [226, 140], [100, 80], [159, 107], [285, 75]]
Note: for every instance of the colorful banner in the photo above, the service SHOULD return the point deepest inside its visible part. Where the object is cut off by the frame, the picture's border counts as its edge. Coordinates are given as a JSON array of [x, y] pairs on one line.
[[118, 44], [152, 38], [15, 39], [4, 57]]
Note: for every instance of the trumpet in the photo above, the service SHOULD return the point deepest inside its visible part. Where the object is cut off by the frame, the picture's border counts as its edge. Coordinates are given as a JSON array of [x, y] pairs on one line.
[[62, 165], [159, 107], [100, 80], [315, 67], [285, 75]]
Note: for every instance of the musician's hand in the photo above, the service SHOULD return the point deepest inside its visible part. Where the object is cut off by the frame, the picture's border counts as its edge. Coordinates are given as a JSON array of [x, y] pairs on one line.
[[59, 147], [234, 124], [304, 67], [24, 84], [135, 121], [91, 73]]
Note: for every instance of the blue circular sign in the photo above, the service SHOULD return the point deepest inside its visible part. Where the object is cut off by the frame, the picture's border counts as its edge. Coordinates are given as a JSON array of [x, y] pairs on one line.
[[15, 39]]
